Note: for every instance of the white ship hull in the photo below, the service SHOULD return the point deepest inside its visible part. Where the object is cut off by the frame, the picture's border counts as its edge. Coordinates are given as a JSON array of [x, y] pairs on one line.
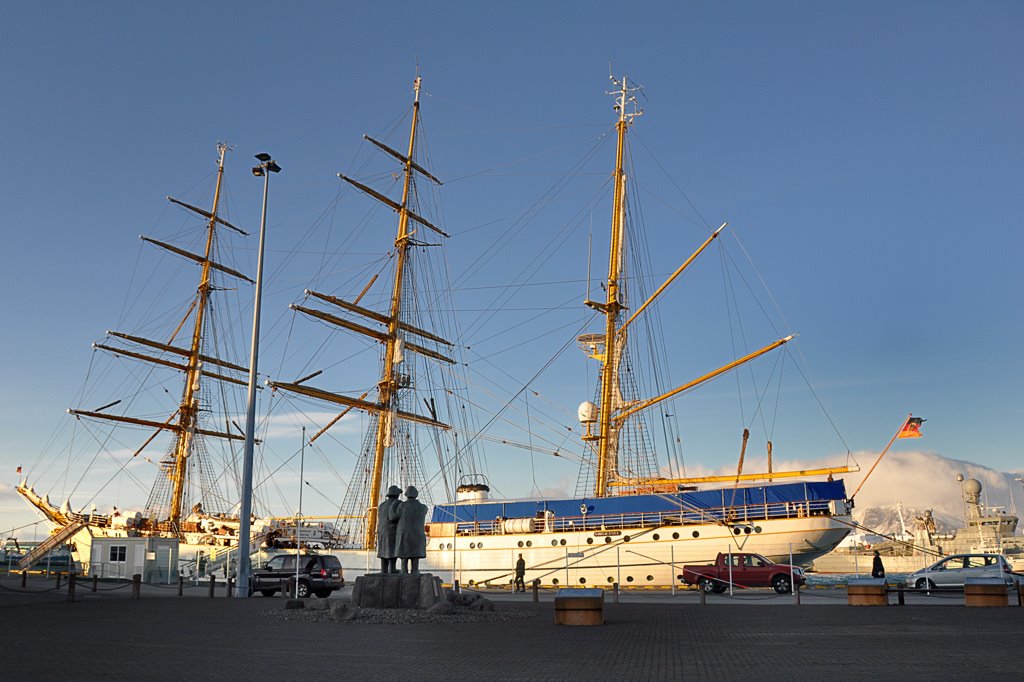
[[639, 557]]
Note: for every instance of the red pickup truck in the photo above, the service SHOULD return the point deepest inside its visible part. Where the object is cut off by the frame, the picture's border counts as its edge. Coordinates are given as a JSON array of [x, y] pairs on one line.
[[744, 570]]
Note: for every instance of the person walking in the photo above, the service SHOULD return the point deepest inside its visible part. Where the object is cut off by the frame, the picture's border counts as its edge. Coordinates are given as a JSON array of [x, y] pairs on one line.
[[520, 585], [877, 569]]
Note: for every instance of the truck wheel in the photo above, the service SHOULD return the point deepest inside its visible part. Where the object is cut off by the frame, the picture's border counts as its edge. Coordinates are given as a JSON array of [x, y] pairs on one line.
[[303, 590], [323, 594], [781, 584], [707, 585]]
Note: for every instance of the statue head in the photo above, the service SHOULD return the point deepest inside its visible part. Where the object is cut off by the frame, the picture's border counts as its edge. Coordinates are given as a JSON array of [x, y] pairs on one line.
[[394, 491], [411, 492]]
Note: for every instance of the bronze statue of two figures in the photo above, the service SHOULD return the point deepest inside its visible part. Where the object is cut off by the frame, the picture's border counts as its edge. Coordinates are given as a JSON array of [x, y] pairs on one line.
[[400, 531]]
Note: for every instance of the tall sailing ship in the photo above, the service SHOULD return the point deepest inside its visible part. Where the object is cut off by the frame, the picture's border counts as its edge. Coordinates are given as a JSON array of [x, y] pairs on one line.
[[629, 525], [626, 523]]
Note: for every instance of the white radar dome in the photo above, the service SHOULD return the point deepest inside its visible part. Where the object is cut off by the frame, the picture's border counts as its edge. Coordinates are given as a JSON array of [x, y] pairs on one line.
[[587, 412]]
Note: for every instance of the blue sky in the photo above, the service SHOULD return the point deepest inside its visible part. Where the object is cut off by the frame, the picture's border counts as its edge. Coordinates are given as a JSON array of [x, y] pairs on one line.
[[867, 155]]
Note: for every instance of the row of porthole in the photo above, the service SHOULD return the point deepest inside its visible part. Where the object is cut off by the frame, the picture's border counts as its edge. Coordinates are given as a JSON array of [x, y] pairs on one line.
[[554, 543], [583, 581]]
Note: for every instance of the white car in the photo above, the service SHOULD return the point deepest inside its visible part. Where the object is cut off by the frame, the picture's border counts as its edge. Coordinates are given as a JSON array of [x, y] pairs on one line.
[[953, 571]]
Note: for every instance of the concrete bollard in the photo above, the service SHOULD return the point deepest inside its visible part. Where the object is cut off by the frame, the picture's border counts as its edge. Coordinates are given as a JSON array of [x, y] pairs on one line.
[[213, 584], [136, 586], [286, 588], [71, 587]]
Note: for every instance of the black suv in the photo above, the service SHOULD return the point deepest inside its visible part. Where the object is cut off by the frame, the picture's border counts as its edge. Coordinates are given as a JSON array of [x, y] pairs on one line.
[[318, 574]]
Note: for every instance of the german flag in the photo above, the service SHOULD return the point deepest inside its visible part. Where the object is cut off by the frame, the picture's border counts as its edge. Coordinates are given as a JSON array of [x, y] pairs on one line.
[[912, 429]]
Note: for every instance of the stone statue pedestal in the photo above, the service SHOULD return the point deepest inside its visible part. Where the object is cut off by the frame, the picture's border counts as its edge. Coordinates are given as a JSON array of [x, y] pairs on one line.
[[396, 591]]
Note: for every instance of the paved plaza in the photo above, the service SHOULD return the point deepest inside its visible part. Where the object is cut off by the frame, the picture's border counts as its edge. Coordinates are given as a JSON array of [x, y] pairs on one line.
[[648, 635]]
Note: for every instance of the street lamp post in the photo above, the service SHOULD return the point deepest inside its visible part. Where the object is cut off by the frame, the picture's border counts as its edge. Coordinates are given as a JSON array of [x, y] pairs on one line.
[[266, 166]]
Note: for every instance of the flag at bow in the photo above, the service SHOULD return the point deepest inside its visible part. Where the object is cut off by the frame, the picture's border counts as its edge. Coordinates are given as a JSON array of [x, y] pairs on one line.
[[912, 429]]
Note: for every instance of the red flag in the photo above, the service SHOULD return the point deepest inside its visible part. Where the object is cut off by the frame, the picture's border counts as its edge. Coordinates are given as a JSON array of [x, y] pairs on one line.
[[19, 470], [912, 429]]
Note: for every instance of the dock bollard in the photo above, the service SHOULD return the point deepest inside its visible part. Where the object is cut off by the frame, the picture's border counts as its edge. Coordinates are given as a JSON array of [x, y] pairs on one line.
[[455, 587], [796, 594], [181, 583], [231, 584], [900, 599], [136, 586], [1020, 597], [213, 584], [24, 577], [58, 580], [71, 586], [95, 581], [615, 592], [703, 594], [536, 587]]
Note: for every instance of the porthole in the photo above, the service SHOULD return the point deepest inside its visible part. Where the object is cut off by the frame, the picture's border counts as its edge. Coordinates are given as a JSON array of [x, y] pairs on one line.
[[735, 531], [675, 536], [607, 540], [757, 529], [472, 545], [441, 546], [657, 537], [590, 541], [520, 543], [747, 530], [625, 539], [554, 543], [561, 542], [449, 545], [529, 543], [479, 545], [650, 578], [611, 579], [554, 581], [582, 581], [696, 533], [629, 578]]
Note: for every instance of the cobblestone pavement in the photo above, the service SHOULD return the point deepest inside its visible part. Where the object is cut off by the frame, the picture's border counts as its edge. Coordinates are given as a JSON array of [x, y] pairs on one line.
[[646, 636]]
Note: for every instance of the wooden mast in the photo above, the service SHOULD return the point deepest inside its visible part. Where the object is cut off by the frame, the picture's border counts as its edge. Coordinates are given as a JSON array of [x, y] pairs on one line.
[[388, 385], [189, 410], [608, 431]]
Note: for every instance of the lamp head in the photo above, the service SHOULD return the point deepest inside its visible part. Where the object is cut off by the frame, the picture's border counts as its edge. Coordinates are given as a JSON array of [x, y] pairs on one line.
[[263, 156], [258, 171]]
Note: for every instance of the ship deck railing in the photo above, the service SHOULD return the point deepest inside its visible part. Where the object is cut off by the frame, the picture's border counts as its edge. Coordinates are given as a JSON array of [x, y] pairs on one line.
[[738, 517]]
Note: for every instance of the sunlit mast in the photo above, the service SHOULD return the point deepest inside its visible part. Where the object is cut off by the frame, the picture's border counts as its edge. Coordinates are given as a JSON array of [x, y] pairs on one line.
[[186, 425], [395, 345], [608, 349]]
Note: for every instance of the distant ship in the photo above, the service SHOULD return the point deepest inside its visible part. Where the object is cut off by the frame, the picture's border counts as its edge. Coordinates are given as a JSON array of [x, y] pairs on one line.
[[986, 530]]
